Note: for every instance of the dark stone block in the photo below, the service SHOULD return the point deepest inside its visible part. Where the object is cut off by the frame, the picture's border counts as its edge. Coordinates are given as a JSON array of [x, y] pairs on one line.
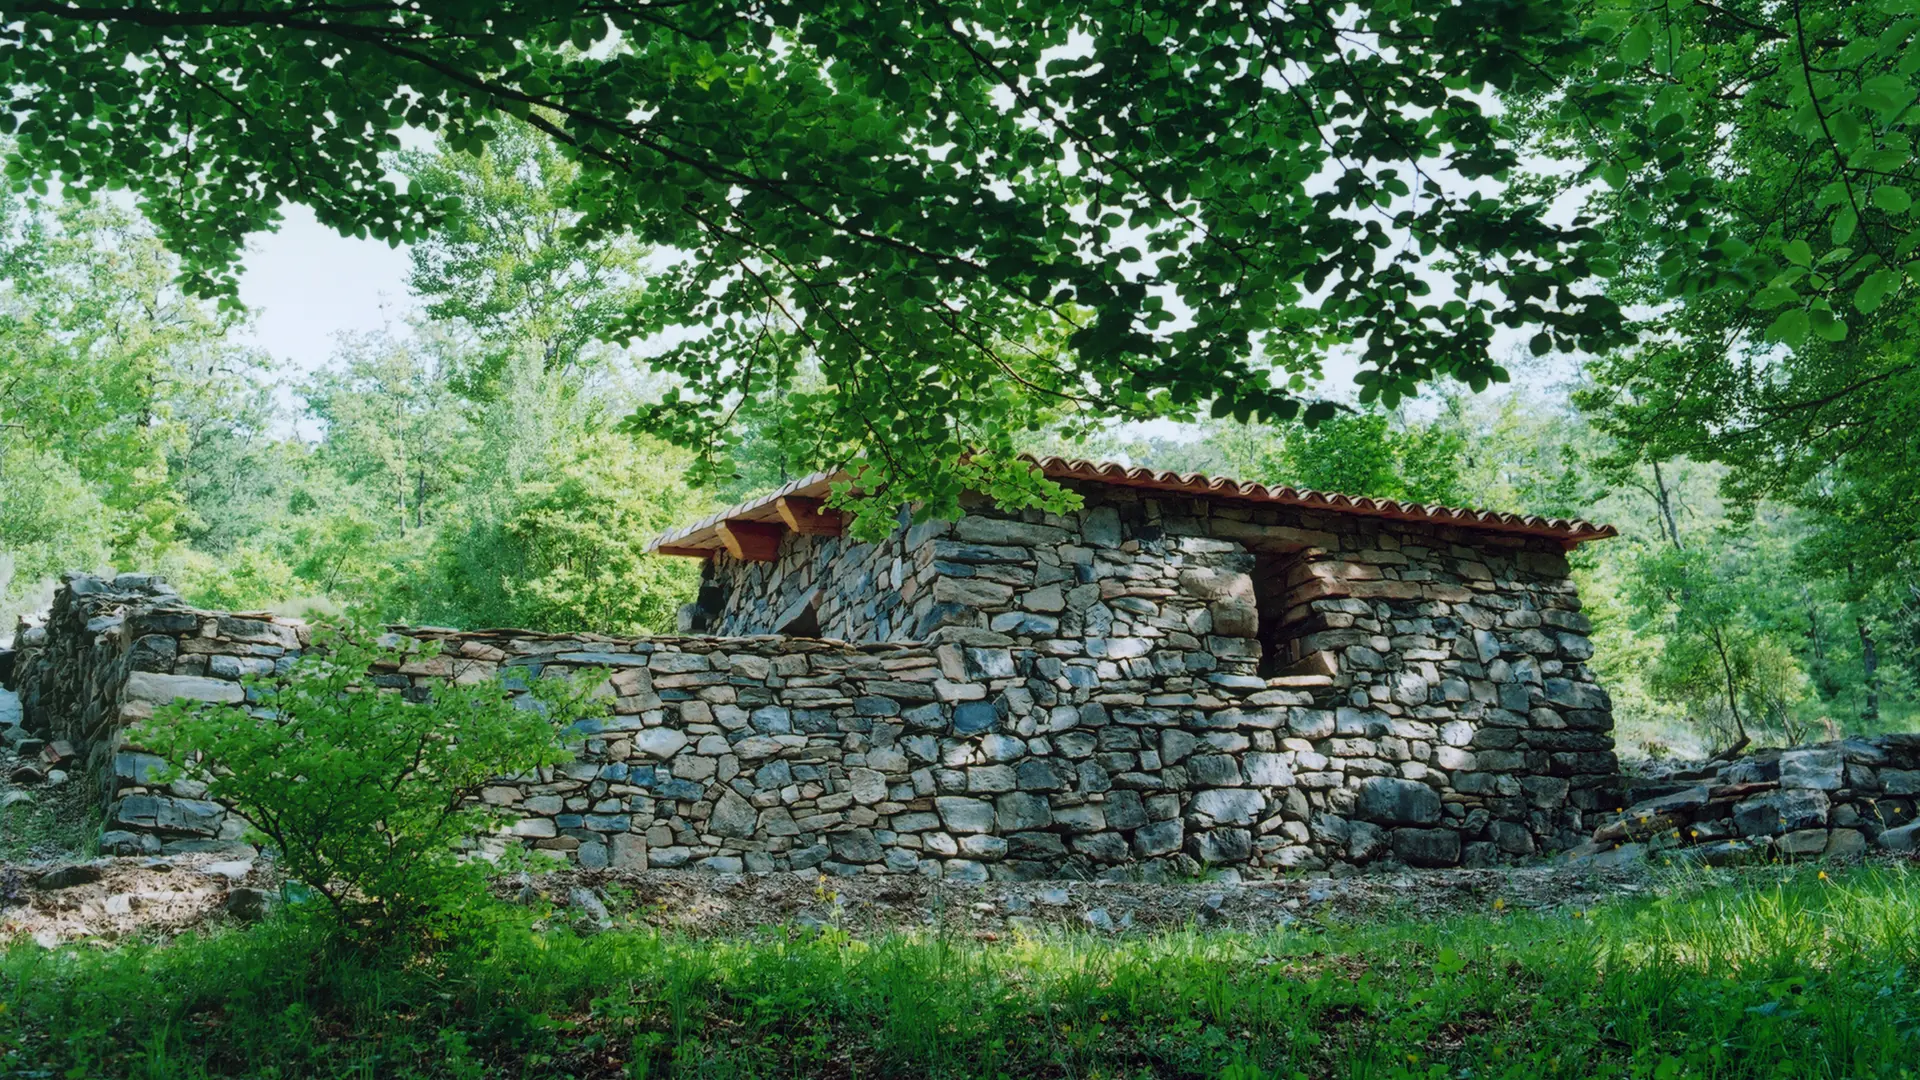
[[1392, 801], [1427, 847], [974, 717]]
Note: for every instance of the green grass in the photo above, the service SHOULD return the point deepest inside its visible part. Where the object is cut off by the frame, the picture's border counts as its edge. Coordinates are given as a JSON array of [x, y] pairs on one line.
[[55, 824], [1801, 978]]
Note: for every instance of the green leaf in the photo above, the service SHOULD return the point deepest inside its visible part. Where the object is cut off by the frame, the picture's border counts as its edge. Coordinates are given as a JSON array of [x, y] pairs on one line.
[[1798, 252], [1846, 131], [1874, 291], [1894, 200], [1637, 45], [1844, 222], [1790, 326]]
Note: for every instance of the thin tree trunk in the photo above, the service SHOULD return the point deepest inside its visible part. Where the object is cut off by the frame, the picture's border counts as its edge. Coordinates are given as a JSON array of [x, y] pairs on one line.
[[1813, 626], [1733, 698], [1869, 670], [1663, 497]]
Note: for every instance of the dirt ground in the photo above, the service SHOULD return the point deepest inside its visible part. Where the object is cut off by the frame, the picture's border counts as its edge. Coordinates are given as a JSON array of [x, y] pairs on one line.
[[118, 899]]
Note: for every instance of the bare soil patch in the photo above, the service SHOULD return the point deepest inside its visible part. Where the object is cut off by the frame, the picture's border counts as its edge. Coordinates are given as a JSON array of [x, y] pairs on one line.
[[117, 899]]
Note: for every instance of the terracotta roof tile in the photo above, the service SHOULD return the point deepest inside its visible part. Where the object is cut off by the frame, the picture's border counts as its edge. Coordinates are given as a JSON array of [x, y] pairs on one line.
[[701, 534]]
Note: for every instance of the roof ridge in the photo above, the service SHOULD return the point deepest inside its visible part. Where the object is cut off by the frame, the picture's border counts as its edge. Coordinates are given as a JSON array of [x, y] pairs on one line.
[[1054, 466]]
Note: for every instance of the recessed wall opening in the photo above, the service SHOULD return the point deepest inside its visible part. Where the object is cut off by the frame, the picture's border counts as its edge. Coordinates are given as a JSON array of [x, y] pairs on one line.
[[1273, 598], [801, 620]]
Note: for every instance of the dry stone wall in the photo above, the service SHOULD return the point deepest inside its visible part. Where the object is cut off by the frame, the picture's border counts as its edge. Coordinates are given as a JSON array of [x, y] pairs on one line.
[[1439, 707], [1836, 799], [1150, 685]]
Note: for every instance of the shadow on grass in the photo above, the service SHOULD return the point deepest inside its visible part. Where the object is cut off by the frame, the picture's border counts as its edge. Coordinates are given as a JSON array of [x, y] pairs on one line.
[[1802, 977]]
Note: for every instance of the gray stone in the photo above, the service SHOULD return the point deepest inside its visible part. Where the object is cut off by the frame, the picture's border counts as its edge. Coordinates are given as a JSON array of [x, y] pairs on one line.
[[855, 846], [1904, 838], [1017, 811], [1392, 801], [733, 816], [1719, 853], [868, 786], [160, 689], [1427, 847], [977, 529], [973, 717], [588, 908], [660, 742], [1900, 781], [1218, 847], [962, 815], [1124, 810], [1268, 770], [964, 870], [1214, 770], [1105, 847], [1817, 768], [1160, 838], [67, 877], [122, 842], [1365, 841], [1227, 806], [248, 904], [1511, 837], [1781, 812]]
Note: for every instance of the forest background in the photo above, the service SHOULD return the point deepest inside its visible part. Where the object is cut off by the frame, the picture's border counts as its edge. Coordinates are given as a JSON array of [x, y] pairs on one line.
[[470, 467]]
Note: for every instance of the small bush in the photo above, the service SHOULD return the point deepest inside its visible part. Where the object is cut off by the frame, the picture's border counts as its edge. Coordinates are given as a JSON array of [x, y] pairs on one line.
[[367, 794]]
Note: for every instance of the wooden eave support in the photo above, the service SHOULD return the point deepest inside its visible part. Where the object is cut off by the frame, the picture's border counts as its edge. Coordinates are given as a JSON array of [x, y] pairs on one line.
[[683, 550], [751, 541], [809, 517]]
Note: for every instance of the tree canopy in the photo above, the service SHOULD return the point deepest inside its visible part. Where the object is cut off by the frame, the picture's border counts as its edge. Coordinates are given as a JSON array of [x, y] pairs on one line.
[[1189, 201]]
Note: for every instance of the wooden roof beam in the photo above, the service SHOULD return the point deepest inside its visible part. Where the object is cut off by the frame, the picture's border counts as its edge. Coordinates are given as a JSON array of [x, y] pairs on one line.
[[683, 550], [809, 517], [751, 541]]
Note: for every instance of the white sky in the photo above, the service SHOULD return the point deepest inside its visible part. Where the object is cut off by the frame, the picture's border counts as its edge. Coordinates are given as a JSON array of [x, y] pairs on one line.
[[307, 284]]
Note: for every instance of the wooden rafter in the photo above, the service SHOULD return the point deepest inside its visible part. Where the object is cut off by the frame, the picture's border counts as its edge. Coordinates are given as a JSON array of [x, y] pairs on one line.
[[809, 517], [751, 541]]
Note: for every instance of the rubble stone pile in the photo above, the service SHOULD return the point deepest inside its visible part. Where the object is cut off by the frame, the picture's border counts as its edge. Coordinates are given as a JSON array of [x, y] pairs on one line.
[[1837, 799]]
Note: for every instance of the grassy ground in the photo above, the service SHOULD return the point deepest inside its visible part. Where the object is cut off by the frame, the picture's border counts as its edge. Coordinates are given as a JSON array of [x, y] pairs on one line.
[[1810, 977], [54, 824]]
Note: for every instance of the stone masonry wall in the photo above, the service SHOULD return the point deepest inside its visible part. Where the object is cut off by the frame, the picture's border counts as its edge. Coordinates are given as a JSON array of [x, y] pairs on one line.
[[1147, 686], [1454, 659], [1836, 799]]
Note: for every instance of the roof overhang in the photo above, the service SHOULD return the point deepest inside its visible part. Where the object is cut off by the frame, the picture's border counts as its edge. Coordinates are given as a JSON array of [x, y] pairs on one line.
[[752, 530]]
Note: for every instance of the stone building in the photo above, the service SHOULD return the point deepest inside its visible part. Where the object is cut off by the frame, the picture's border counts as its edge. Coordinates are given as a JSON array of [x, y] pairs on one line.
[[1311, 677], [1187, 671]]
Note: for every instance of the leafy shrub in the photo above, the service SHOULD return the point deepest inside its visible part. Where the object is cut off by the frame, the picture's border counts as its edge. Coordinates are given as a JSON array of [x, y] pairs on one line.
[[368, 794]]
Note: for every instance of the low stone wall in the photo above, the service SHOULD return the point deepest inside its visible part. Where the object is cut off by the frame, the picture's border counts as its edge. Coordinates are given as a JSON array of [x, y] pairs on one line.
[[1834, 799], [971, 756]]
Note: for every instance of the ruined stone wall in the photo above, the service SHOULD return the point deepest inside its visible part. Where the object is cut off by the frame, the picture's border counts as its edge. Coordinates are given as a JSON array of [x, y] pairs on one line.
[[1836, 799], [1102, 715]]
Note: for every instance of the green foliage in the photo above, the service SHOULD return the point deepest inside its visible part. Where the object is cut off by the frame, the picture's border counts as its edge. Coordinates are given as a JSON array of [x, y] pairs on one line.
[[1717, 657], [508, 263], [1759, 188], [1354, 453], [50, 520], [901, 195], [367, 793], [1798, 978], [565, 552]]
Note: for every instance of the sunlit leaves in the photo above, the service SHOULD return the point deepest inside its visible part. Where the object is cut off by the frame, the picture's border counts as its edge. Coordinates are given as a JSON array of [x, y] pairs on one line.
[[960, 220]]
